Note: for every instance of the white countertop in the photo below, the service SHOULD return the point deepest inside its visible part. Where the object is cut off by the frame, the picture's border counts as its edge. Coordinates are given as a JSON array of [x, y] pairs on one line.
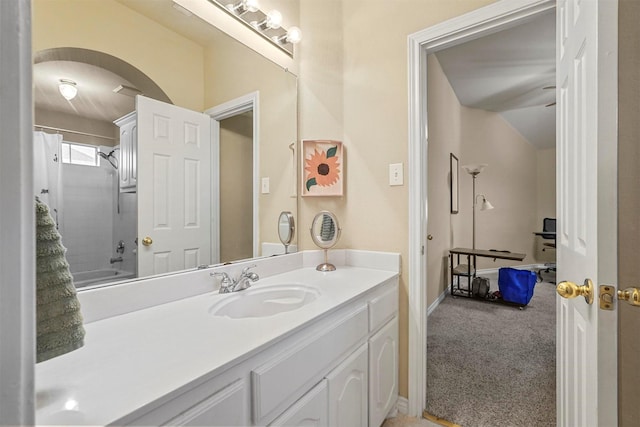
[[130, 360]]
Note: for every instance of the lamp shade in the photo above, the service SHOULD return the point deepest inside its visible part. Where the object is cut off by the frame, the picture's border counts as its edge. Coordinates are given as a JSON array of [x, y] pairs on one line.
[[486, 205], [475, 169]]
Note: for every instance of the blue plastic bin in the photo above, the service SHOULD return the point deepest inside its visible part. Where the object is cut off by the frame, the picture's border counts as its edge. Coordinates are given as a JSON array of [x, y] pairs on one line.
[[516, 286]]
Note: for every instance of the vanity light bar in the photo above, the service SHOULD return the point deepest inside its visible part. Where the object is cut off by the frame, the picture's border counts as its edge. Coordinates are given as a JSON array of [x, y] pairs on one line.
[[268, 25]]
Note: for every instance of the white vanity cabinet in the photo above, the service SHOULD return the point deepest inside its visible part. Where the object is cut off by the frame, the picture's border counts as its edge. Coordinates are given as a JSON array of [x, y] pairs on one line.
[[339, 370], [127, 168]]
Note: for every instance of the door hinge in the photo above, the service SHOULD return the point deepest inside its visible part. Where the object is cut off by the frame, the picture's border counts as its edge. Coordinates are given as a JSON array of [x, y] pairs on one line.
[[422, 250]]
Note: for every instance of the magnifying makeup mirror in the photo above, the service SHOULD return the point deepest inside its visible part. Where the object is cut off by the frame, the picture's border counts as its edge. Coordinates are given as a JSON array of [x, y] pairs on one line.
[[325, 233], [286, 228]]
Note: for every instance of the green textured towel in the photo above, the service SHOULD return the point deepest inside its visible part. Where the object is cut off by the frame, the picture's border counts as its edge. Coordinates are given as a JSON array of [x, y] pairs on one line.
[[59, 321]]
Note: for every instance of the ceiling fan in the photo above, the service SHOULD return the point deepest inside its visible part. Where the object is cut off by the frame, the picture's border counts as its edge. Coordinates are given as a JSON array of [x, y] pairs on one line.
[[546, 88]]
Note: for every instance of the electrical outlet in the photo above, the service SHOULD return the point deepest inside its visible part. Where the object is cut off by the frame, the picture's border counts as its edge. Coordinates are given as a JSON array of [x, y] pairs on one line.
[[265, 185], [395, 174]]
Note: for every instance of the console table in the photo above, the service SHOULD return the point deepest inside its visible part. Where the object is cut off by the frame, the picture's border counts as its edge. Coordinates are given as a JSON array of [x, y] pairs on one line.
[[469, 270]]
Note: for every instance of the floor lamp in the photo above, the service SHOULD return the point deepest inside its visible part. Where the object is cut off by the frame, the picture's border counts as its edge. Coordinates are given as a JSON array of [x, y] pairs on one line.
[[474, 171]]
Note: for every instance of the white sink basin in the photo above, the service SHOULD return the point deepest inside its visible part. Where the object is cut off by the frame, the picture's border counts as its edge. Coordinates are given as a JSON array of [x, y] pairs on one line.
[[264, 302]]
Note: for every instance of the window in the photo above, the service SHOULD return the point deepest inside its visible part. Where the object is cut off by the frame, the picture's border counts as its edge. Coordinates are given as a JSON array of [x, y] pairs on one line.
[[79, 154]]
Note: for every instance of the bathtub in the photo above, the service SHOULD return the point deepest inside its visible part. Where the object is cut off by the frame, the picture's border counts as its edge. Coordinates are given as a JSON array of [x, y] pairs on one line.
[[83, 279]]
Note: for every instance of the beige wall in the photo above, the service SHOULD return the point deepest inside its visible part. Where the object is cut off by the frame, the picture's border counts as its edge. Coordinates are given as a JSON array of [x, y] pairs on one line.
[[236, 185], [510, 182], [445, 137], [353, 72], [546, 203], [82, 124], [231, 71], [628, 208], [174, 62]]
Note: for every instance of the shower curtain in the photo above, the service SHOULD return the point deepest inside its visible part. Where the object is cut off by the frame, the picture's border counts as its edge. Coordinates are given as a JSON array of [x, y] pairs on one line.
[[47, 167]]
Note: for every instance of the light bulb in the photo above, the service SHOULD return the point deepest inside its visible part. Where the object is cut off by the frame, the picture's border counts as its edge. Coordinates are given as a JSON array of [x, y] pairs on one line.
[[251, 5], [294, 35], [68, 89], [244, 6], [274, 19]]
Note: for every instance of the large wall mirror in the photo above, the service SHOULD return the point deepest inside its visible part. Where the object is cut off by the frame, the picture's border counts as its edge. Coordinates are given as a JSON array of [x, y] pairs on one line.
[[112, 51]]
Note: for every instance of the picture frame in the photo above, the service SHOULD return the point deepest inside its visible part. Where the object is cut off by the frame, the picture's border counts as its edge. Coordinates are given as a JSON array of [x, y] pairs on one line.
[[454, 169], [322, 168]]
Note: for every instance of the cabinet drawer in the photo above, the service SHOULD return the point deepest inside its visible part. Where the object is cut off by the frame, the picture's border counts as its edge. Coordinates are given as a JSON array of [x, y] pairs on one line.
[[279, 383], [224, 408], [310, 411], [213, 403], [383, 307]]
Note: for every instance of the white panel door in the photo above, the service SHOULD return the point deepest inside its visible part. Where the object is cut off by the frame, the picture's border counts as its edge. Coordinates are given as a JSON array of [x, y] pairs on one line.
[[348, 391], [586, 207], [174, 187]]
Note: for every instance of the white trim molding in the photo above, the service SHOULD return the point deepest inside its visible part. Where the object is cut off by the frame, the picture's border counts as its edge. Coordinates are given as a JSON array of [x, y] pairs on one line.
[[478, 23], [17, 218]]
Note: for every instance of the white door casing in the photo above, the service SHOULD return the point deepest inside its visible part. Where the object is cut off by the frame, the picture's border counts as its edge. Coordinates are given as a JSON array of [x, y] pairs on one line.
[[586, 81], [174, 187]]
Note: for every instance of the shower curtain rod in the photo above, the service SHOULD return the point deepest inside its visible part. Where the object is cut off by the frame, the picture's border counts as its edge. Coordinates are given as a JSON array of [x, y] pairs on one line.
[[75, 131]]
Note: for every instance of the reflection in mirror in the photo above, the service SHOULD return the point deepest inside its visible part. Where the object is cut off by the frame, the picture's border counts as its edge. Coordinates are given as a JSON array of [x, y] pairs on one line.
[[94, 186], [325, 233], [286, 228]]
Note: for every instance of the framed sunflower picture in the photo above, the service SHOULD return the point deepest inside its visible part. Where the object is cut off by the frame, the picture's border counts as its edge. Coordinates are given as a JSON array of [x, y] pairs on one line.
[[322, 168]]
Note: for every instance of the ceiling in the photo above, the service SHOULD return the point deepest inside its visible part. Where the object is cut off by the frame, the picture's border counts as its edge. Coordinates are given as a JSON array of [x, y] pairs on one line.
[[96, 98], [507, 72]]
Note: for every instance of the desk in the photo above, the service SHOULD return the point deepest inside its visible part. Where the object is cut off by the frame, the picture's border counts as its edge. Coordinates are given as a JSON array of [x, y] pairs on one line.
[[546, 233], [549, 266], [458, 269]]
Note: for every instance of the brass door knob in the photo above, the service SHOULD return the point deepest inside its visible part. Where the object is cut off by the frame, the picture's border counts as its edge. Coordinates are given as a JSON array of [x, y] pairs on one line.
[[630, 295], [429, 237], [147, 241], [571, 290]]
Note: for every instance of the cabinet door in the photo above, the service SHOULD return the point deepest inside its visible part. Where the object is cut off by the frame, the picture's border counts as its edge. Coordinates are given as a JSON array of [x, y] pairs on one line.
[[348, 391], [309, 411], [383, 372]]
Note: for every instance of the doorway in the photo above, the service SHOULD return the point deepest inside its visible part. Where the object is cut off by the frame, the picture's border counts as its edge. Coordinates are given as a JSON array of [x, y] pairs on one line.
[[491, 101], [235, 130], [493, 18], [236, 187]]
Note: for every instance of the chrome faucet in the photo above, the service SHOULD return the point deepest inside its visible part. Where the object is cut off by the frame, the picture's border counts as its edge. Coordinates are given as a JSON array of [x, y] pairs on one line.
[[114, 260], [227, 284]]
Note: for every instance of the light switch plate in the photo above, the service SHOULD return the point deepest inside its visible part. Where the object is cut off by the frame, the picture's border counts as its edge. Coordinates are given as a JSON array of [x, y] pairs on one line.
[[265, 185], [395, 174]]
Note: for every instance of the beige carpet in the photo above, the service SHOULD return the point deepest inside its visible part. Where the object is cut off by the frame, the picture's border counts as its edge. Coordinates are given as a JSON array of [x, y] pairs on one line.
[[491, 364]]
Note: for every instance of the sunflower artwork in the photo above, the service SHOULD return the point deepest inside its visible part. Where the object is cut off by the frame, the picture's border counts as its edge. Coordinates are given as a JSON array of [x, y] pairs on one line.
[[323, 164]]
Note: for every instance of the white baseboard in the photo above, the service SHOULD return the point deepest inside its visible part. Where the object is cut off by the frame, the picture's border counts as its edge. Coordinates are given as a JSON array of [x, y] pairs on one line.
[[403, 405], [437, 302]]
